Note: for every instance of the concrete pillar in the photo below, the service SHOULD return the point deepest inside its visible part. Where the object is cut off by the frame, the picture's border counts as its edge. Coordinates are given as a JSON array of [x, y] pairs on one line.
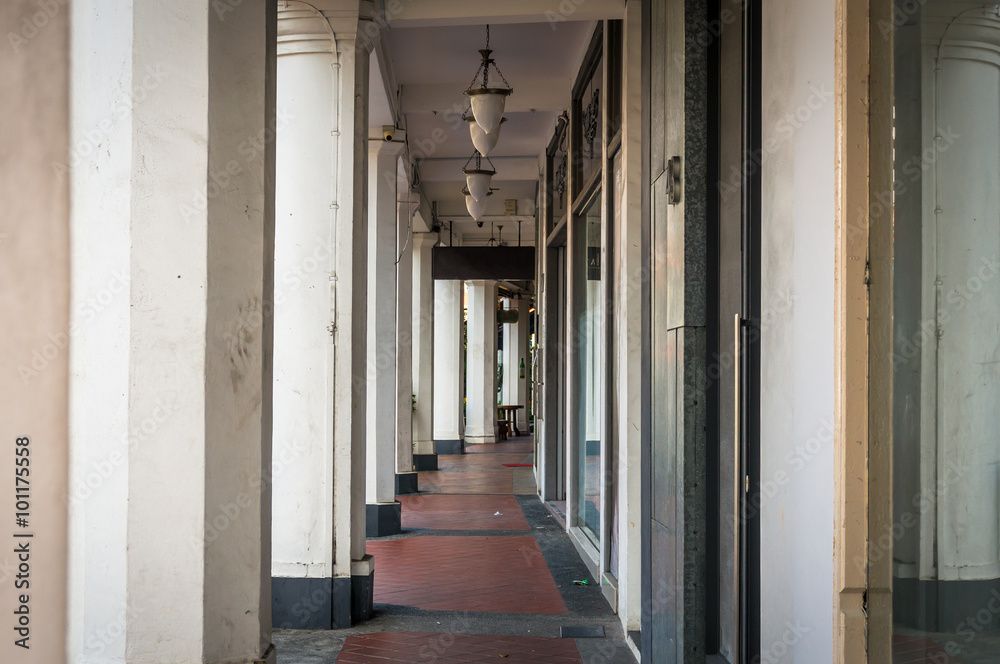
[[34, 321], [383, 510], [406, 476], [423, 350], [515, 352], [321, 318], [171, 332], [449, 365], [481, 404]]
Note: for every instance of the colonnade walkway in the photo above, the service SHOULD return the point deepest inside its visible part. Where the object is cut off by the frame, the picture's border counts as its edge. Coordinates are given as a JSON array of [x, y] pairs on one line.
[[483, 572]]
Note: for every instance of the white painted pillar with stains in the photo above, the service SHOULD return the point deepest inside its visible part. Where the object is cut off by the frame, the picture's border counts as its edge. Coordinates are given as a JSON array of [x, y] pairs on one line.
[[515, 353], [406, 207], [383, 511], [321, 316], [449, 361], [481, 404], [170, 415], [423, 344]]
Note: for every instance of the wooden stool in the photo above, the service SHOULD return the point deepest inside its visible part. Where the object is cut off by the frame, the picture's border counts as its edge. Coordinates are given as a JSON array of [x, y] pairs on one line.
[[502, 429]]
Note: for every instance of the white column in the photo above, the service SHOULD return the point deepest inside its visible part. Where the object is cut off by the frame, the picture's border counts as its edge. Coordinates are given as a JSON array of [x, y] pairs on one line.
[[171, 333], [481, 404], [449, 363], [423, 343], [321, 316], [515, 352], [405, 209], [34, 319], [383, 509]]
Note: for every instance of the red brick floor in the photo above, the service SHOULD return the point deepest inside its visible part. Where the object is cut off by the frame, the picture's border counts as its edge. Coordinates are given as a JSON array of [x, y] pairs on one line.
[[474, 474], [452, 512], [505, 574], [389, 647], [918, 650]]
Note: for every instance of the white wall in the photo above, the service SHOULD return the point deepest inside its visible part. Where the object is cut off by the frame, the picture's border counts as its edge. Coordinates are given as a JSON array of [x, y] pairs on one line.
[[797, 344]]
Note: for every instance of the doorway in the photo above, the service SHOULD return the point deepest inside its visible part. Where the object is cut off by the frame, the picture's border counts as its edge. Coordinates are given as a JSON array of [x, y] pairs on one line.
[[701, 489]]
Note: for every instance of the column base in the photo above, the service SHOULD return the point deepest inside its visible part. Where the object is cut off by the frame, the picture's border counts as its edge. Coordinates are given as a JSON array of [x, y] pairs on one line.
[[942, 606], [425, 462], [406, 483], [383, 519], [300, 603], [342, 602], [363, 588], [448, 447], [479, 440], [270, 656]]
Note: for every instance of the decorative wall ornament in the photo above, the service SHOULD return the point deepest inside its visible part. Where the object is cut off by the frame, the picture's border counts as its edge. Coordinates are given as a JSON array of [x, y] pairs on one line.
[[589, 118], [559, 179]]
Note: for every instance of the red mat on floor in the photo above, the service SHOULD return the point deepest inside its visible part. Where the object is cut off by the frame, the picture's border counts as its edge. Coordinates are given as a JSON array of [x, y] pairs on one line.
[[519, 465]]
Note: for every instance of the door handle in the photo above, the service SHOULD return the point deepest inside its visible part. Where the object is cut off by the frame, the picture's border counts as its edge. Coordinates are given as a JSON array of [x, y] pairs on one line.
[[673, 176]]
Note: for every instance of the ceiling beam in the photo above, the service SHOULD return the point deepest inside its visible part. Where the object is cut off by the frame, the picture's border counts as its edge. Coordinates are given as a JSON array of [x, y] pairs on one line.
[[487, 218], [549, 94], [412, 13], [450, 170]]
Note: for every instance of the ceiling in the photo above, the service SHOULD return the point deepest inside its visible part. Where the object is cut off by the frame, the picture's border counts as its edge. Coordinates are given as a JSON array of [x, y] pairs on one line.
[[428, 58]]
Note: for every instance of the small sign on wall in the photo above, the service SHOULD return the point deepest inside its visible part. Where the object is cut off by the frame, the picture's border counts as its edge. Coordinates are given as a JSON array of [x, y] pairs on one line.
[[593, 263]]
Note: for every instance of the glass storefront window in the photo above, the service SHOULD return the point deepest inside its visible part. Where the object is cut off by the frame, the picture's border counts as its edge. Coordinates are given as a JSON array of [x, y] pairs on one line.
[[589, 336], [944, 542]]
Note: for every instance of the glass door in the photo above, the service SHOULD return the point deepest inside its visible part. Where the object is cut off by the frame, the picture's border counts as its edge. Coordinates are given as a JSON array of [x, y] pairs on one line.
[[589, 339], [938, 539]]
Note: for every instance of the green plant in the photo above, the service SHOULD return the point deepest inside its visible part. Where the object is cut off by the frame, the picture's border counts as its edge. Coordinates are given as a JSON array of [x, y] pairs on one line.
[[413, 402]]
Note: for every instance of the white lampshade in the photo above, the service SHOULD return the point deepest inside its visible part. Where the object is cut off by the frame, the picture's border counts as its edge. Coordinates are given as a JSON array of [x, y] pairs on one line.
[[484, 142], [476, 208], [487, 108], [478, 183]]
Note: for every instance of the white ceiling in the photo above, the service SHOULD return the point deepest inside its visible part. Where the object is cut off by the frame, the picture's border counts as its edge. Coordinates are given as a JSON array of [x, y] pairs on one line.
[[433, 58]]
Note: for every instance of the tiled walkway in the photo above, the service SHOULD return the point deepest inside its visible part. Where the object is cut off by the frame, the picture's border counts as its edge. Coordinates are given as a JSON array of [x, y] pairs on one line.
[[481, 573]]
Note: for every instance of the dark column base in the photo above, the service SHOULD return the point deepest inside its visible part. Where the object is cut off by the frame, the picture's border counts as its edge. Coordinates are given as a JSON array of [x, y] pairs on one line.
[[425, 462], [363, 595], [449, 447], [321, 603], [302, 603], [383, 519], [342, 602], [406, 483], [947, 606]]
